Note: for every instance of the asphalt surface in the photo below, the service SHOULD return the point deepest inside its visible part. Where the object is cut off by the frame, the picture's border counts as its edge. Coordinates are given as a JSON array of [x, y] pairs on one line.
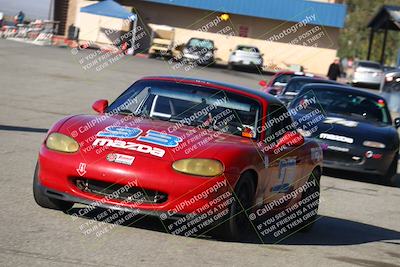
[[359, 223]]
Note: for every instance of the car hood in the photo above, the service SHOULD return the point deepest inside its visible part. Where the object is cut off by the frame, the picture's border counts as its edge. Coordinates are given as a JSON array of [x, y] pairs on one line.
[[346, 126], [194, 142]]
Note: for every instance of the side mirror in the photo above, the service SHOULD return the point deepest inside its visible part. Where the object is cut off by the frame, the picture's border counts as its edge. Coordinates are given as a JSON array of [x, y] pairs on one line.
[[397, 122], [291, 139], [215, 49], [262, 83], [100, 106]]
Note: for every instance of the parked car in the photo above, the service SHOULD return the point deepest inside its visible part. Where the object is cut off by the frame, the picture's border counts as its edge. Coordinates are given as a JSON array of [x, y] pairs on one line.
[[162, 40], [368, 73], [295, 85], [354, 129], [245, 56], [391, 81], [390, 89], [280, 80], [199, 50]]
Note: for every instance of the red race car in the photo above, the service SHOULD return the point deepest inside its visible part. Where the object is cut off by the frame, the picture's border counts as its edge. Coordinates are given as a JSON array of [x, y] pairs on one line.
[[281, 79], [191, 151]]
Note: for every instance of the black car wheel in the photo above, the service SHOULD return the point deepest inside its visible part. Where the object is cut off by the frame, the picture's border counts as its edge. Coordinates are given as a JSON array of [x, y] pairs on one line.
[[237, 226], [43, 200], [392, 171]]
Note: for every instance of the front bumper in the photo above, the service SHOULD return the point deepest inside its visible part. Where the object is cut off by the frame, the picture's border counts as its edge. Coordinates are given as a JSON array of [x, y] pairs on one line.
[[350, 157], [246, 62], [199, 59], [185, 194]]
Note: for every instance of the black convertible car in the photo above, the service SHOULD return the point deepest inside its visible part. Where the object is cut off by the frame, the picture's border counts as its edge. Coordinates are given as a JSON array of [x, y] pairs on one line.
[[295, 85], [354, 128]]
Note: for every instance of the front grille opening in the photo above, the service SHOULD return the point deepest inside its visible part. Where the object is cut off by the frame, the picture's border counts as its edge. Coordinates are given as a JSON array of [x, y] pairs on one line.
[[120, 192], [343, 157]]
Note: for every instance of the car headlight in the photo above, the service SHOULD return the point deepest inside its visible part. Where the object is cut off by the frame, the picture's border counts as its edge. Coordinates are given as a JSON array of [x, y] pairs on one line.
[[374, 144], [185, 50], [199, 167], [62, 143], [209, 54]]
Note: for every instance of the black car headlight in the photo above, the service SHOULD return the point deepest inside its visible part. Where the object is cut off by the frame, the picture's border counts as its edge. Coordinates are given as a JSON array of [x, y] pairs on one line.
[[374, 144], [62, 143]]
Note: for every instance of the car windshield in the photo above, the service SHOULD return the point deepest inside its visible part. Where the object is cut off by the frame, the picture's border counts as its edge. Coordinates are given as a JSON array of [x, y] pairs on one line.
[[248, 49], [350, 104], [294, 86], [202, 43], [284, 78], [370, 65], [192, 105]]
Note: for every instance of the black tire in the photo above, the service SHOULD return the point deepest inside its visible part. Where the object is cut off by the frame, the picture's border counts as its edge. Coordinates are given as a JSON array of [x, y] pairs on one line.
[[231, 66], [44, 201], [392, 171], [309, 223], [238, 226]]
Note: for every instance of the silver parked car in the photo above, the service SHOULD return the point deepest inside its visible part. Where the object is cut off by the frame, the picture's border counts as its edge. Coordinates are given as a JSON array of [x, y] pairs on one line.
[[366, 72], [245, 56]]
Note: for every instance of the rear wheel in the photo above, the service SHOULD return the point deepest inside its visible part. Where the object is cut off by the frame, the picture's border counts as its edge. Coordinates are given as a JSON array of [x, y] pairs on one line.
[[314, 179], [43, 200], [238, 224]]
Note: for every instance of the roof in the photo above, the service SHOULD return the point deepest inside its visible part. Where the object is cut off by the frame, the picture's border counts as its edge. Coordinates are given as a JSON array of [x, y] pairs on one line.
[[108, 8], [387, 17], [261, 94], [343, 88], [327, 14]]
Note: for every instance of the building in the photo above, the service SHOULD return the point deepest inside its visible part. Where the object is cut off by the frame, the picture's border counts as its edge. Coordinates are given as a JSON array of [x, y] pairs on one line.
[[288, 32]]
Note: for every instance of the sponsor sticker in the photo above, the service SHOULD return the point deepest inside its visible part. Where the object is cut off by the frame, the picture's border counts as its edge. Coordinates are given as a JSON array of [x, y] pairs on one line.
[[130, 146], [120, 158], [338, 138]]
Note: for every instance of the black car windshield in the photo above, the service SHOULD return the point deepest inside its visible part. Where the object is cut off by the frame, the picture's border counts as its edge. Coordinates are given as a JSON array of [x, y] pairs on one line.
[[248, 49], [192, 105], [351, 104], [294, 86], [202, 43]]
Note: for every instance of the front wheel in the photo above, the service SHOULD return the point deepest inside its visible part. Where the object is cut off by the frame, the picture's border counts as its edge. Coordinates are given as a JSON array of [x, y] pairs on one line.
[[44, 201], [238, 225], [387, 178]]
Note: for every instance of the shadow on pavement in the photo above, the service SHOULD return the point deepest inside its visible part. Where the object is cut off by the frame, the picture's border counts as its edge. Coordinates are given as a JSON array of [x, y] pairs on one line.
[[22, 129], [327, 231], [347, 175]]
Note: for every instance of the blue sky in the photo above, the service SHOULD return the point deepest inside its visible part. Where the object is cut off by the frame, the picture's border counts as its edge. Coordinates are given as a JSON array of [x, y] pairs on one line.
[[32, 8]]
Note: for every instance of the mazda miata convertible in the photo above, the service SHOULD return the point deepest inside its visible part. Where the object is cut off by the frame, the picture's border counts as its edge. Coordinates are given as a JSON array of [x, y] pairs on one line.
[[175, 148]]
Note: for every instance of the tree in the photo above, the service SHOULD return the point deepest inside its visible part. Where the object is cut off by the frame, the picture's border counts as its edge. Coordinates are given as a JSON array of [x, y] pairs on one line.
[[354, 37]]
